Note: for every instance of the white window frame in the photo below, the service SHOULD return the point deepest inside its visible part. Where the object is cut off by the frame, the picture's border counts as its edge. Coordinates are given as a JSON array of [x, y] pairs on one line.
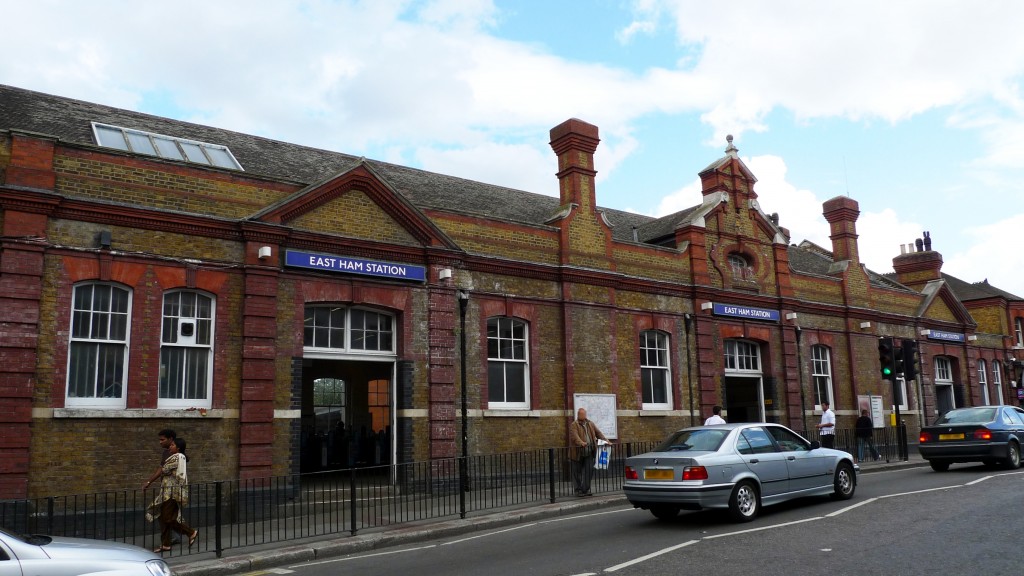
[[345, 343], [1018, 327], [944, 378], [742, 356], [821, 369], [902, 383], [163, 146], [997, 380], [654, 359], [174, 335], [503, 360], [92, 315], [983, 380]]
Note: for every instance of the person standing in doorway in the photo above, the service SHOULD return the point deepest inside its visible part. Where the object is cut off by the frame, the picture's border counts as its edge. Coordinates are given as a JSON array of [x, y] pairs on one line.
[[583, 436], [863, 430], [827, 426], [716, 417]]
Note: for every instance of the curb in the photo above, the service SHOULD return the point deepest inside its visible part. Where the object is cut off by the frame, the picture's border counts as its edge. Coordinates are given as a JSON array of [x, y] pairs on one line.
[[332, 546]]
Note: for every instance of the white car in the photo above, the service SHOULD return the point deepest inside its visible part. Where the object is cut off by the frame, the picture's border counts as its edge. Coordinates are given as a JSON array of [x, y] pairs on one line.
[[738, 467], [35, 555]]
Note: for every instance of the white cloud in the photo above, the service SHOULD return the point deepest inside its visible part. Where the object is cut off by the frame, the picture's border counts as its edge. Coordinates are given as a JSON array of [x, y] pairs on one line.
[[993, 242]]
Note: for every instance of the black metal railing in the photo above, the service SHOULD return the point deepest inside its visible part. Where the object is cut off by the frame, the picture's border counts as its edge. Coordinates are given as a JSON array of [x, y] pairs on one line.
[[237, 513]]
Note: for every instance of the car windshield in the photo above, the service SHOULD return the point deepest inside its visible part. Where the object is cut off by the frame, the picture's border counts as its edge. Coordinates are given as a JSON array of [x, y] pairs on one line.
[[968, 416], [701, 439]]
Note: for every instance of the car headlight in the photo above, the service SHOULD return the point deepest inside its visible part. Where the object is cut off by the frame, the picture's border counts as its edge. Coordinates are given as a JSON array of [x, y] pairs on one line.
[[158, 568]]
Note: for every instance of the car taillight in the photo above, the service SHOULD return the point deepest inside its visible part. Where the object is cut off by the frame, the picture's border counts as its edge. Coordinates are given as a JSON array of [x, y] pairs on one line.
[[695, 473], [631, 473], [983, 434], [925, 437]]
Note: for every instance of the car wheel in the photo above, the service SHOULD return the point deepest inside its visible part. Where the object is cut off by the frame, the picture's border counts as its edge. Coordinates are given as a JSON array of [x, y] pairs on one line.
[[745, 502], [1012, 461], [939, 466], [845, 482], [665, 512]]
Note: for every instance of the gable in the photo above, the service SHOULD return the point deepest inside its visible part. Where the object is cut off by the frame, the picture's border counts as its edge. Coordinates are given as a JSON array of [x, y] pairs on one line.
[[357, 204]]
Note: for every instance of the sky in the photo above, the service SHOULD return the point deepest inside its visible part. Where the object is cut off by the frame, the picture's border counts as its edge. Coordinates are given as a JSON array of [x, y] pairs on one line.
[[913, 108]]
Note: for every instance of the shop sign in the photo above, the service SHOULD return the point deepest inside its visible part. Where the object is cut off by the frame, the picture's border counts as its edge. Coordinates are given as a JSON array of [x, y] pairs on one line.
[[746, 312], [329, 263]]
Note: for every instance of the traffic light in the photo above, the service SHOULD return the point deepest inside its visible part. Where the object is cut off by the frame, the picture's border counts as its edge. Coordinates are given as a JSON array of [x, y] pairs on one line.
[[887, 357], [897, 360], [910, 359]]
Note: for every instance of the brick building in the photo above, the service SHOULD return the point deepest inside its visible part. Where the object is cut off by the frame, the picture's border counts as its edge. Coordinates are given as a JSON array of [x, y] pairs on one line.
[[290, 309]]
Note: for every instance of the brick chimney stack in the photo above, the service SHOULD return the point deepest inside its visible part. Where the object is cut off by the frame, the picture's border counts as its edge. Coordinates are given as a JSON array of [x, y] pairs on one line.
[[575, 141], [841, 213], [915, 268]]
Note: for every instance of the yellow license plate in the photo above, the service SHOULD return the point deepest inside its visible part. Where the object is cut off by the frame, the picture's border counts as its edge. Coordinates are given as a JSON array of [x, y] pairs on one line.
[[959, 436], [658, 474]]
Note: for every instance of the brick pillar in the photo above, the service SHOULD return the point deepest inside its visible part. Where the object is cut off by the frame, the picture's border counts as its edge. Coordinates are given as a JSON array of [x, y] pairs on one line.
[[21, 272], [443, 393], [259, 352]]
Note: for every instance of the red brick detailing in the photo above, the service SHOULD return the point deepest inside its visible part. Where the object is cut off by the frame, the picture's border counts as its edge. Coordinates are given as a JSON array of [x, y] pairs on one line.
[[259, 332], [31, 163], [21, 271]]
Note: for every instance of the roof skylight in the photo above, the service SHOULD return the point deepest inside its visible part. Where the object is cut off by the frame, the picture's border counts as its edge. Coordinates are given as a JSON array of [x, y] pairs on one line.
[[164, 146]]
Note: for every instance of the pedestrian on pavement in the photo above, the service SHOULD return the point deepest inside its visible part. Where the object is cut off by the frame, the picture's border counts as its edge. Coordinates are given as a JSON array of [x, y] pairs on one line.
[[172, 497], [827, 426], [583, 436], [716, 417], [165, 437], [863, 430]]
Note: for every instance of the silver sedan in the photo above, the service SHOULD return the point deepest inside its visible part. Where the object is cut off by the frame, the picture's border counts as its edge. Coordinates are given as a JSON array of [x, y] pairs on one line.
[[35, 555], [738, 467]]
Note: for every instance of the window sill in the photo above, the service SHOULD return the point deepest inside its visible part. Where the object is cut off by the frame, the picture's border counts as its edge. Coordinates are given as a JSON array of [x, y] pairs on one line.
[[656, 412], [132, 413], [512, 413]]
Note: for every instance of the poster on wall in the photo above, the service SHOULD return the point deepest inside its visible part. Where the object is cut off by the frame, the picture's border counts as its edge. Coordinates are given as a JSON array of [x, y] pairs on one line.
[[873, 404], [601, 409]]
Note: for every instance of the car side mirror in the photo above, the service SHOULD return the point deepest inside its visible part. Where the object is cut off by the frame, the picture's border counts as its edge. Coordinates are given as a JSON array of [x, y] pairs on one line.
[[815, 444]]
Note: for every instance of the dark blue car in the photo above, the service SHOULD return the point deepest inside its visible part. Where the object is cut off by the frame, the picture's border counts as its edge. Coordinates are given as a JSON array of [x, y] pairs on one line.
[[988, 434]]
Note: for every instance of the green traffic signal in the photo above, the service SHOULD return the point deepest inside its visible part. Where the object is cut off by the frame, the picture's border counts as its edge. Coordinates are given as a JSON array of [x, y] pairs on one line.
[[886, 371]]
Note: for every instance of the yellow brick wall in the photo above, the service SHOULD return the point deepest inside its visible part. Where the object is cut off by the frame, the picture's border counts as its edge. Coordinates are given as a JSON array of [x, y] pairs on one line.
[[355, 215]]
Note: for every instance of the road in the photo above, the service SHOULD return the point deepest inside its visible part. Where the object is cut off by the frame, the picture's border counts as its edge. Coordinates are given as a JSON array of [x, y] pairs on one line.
[[906, 522]]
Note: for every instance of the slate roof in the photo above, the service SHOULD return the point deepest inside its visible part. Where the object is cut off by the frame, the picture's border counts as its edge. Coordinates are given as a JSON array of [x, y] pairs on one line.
[[70, 121], [966, 291]]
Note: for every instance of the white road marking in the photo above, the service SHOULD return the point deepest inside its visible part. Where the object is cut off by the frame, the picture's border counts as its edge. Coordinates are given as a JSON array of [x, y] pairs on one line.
[[495, 533], [749, 530], [649, 556], [361, 556], [850, 507], [921, 491], [576, 516]]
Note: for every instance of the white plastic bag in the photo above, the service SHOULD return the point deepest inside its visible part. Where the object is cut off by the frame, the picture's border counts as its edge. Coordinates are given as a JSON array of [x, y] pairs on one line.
[[603, 456]]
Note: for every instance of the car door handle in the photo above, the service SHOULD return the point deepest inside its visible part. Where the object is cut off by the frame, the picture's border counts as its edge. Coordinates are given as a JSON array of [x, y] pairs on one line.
[[790, 457], [754, 460]]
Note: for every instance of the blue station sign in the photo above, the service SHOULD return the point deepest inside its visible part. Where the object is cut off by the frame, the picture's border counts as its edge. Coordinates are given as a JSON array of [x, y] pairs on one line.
[[746, 312], [946, 336], [330, 263]]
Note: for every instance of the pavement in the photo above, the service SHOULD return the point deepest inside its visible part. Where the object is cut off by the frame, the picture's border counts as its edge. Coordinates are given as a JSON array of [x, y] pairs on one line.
[[269, 556]]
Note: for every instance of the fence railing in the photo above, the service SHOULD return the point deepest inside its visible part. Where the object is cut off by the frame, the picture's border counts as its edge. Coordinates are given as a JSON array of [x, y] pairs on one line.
[[238, 513]]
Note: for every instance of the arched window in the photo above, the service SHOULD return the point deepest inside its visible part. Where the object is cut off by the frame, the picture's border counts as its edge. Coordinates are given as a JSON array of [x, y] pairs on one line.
[[983, 381], [740, 266], [508, 374], [337, 328], [98, 347], [944, 397], [186, 350], [997, 380], [742, 356], [655, 374], [821, 373]]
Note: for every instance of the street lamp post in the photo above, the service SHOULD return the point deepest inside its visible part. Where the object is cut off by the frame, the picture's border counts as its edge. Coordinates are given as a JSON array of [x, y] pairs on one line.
[[463, 296]]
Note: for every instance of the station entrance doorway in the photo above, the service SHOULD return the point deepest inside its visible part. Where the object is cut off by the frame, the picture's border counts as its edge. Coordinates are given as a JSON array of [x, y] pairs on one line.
[[744, 399], [347, 414]]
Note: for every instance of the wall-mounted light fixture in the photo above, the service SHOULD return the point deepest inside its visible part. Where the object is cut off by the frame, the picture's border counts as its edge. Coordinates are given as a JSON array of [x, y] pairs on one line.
[[707, 305], [972, 337], [865, 324], [264, 252], [926, 332], [791, 316], [444, 273]]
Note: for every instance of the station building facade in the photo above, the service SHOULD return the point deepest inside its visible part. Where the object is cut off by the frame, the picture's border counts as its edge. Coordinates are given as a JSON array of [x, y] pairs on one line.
[[289, 309]]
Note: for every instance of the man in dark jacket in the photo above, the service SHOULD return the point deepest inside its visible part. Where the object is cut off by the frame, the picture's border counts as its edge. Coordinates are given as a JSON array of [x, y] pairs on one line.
[[863, 430], [583, 436]]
